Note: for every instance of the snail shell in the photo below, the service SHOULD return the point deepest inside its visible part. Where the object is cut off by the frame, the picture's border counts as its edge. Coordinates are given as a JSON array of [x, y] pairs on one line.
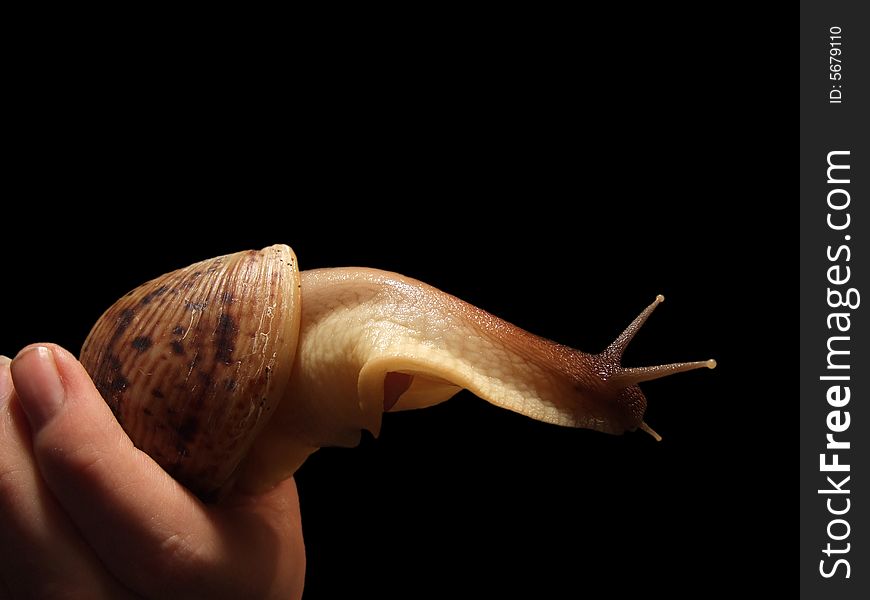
[[194, 363]]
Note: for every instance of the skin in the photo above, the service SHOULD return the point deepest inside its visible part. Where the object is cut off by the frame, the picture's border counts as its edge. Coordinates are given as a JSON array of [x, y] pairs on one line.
[[84, 514]]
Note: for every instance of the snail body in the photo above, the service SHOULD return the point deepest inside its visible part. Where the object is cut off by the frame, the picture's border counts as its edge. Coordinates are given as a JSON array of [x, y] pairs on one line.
[[233, 370]]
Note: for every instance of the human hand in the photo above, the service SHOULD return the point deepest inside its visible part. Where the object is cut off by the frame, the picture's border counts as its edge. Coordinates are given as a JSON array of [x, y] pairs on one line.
[[85, 514]]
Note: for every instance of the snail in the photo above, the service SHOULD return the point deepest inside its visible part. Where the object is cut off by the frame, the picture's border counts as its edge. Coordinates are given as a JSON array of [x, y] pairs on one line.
[[232, 371]]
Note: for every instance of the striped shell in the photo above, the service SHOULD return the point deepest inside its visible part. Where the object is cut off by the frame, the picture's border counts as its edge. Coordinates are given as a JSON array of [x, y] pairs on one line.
[[194, 363]]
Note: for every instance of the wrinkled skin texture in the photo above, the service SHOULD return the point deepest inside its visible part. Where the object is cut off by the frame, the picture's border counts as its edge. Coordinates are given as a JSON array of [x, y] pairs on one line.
[[84, 514]]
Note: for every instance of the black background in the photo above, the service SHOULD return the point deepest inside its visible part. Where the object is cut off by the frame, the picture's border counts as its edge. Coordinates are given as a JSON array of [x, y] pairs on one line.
[[513, 177]]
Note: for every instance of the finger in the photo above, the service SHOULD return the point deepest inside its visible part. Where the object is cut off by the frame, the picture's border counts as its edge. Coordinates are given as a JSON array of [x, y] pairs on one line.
[[41, 553], [141, 523], [152, 533], [278, 510]]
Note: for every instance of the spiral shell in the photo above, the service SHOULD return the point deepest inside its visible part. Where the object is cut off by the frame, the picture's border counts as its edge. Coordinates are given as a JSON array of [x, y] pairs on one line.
[[194, 363]]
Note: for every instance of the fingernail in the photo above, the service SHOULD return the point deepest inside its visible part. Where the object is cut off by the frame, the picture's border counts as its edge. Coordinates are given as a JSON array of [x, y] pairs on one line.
[[5, 378], [38, 385]]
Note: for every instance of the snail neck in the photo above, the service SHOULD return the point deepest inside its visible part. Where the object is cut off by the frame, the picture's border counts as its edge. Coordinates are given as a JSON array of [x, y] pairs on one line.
[[372, 341]]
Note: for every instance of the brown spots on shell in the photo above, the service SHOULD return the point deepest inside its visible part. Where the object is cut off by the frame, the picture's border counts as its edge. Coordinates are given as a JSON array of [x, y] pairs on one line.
[[188, 428], [113, 362], [206, 379], [178, 330], [118, 383], [177, 347], [157, 394], [111, 382], [124, 320], [142, 343], [148, 412], [147, 298], [225, 339]]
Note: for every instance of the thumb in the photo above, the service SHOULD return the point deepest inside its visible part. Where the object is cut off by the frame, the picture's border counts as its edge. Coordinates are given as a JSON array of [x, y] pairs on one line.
[[124, 504]]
